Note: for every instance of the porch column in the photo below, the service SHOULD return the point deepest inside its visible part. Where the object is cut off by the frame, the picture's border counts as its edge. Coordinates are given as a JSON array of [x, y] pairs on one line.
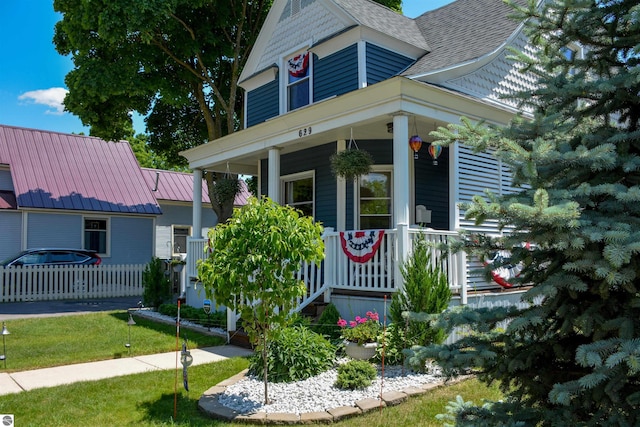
[[341, 194], [401, 190], [274, 175], [197, 204]]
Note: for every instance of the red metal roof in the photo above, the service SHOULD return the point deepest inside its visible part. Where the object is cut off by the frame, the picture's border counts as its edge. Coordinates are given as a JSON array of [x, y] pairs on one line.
[[178, 186], [53, 170]]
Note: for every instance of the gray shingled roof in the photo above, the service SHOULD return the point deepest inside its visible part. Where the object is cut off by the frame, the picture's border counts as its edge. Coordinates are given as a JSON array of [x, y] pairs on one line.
[[380, 18], [462, 31]]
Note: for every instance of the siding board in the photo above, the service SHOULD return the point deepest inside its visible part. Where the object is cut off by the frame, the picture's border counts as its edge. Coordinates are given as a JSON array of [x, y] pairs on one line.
[[383, 64], [263, 103], [335, 74]]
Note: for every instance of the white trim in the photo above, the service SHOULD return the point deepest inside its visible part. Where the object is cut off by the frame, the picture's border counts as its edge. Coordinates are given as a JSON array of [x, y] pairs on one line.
[[341, 193], [274, 175], [362, 64], [454, 186], [384, 168], [173, 237], [107, 219], [260, 79], [284, 75]]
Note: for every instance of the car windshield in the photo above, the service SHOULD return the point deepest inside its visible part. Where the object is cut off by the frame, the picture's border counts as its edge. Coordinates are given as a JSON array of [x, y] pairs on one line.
[[11, 258]]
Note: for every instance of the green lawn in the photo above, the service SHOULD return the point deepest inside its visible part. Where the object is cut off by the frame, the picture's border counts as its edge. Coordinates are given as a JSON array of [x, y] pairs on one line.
[[148, 400], [52, 341]]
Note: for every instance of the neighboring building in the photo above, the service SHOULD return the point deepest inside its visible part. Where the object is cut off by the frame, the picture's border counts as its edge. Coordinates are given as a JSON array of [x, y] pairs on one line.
[[323, 72], [174, 193], [75, 191]]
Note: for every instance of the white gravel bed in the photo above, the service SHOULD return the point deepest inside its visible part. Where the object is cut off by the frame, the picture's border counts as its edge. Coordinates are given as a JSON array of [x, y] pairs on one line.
[[315, 394]]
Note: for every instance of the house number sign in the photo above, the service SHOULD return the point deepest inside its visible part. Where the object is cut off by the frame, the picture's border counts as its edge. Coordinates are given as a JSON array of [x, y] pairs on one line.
[[304, 132]]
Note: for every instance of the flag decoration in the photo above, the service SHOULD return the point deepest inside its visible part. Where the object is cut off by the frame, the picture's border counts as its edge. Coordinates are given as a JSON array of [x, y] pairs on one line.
[[361, 246], [298, 65]]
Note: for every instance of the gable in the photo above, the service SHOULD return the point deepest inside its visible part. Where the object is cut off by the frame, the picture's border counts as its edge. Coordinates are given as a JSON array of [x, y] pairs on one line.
[[52, 170]]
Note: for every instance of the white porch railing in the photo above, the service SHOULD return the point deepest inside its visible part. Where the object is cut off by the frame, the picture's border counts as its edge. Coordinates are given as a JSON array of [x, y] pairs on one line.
[[337, 271], [39, 283]]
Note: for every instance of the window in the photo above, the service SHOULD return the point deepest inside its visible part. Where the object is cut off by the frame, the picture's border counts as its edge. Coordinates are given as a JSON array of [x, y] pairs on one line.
[[375, 200], [95, 234], [180, 235], [298, 192], [298, 80]]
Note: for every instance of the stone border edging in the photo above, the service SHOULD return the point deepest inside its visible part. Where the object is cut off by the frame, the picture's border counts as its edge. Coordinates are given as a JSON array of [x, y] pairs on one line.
[[208, 403]]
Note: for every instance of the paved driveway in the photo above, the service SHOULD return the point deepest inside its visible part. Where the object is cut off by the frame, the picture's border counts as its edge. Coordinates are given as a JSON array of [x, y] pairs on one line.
[[19, 310]]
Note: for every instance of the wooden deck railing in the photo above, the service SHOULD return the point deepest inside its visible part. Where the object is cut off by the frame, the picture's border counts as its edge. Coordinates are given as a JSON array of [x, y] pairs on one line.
[[337, 271]]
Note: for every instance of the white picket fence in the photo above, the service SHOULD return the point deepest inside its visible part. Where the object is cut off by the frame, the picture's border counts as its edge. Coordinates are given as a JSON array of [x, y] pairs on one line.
[[41, 283]]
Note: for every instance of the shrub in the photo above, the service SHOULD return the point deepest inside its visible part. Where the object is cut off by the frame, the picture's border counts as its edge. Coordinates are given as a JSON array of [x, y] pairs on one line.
[[157, 287], [295, 354], [217, 319], [328, 323], [355, 374], [394, 344], [425, 290]]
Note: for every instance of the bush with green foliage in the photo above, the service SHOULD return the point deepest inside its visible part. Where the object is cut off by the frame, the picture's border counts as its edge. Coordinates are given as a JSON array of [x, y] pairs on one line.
[[355, 374], [394, 345], [296, 353], [327, 324], [216, 319], [157, 286], [425, 290]]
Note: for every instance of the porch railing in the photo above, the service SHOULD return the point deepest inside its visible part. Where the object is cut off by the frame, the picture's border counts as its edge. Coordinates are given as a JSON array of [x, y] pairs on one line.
[[337, 271], [40, 283]]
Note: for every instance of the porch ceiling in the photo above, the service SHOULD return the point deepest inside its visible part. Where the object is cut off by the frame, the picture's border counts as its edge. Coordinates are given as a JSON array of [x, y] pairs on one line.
[[366, 111]]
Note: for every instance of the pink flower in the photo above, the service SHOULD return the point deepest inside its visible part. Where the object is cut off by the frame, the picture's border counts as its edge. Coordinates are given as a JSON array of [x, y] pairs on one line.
[[361, 320], [373, 316], [342, 323], [353, 323]]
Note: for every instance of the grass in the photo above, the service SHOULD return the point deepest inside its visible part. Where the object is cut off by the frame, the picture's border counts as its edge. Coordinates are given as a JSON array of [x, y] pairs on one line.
[[148, 400], [53, 341]]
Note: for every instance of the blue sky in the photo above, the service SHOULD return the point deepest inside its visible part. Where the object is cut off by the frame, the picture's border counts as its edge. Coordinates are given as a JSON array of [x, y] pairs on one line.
[[32, 72]]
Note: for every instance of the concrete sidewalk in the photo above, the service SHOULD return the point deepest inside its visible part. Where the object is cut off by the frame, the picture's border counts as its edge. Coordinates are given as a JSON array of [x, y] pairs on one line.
[[16, 382]]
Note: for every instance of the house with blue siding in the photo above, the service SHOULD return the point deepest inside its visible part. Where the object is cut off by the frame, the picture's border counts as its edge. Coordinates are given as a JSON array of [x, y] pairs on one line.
[[330, 75], [75, 191]]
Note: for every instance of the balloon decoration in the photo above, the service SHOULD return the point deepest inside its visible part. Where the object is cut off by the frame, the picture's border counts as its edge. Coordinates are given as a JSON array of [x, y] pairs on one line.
[[415, 142], [435, 151]]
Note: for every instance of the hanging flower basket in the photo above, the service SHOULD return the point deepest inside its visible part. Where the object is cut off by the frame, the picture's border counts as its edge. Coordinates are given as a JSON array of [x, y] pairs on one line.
[[350, 164], [225, 189]]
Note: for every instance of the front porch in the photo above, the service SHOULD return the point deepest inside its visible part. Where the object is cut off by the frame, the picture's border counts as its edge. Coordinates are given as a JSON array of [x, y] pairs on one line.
[[379, 275]]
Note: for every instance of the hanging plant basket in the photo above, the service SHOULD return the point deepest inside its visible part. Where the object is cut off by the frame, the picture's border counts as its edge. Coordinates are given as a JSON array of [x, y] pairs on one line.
[[225, 189], [350, 164]]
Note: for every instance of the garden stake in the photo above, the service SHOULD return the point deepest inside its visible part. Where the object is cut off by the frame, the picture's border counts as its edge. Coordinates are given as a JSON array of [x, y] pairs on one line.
[[175, 385], [384, 332]]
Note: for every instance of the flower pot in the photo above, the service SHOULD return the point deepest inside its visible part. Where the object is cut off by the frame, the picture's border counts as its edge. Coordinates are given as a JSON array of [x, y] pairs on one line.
[[360, 351]]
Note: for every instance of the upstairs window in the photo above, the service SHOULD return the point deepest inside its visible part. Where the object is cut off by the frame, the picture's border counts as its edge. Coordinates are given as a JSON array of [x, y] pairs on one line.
[[298, 81], [180, 235]]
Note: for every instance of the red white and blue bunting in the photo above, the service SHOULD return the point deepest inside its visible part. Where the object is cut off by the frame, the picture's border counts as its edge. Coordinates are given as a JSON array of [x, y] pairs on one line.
[[298, 65], [361, 246]]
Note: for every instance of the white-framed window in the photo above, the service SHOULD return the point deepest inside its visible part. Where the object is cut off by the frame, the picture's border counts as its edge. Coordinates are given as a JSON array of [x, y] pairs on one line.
[[96, 234], [179, 236], [298, 79], [375, 201], [298, 191]]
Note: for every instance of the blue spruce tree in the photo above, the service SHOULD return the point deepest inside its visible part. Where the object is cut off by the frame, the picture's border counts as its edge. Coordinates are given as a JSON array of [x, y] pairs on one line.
[[573, 356]]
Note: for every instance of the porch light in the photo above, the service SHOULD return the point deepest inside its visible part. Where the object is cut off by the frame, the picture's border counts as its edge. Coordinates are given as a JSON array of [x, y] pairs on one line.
[[415, 142], [4, 333]]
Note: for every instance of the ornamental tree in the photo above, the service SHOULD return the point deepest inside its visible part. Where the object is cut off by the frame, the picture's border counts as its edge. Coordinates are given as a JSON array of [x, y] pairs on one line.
[[573, 356], [253, 264]]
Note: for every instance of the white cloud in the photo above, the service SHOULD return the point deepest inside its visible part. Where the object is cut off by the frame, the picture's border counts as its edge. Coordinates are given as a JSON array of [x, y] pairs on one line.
[[52, 97]]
